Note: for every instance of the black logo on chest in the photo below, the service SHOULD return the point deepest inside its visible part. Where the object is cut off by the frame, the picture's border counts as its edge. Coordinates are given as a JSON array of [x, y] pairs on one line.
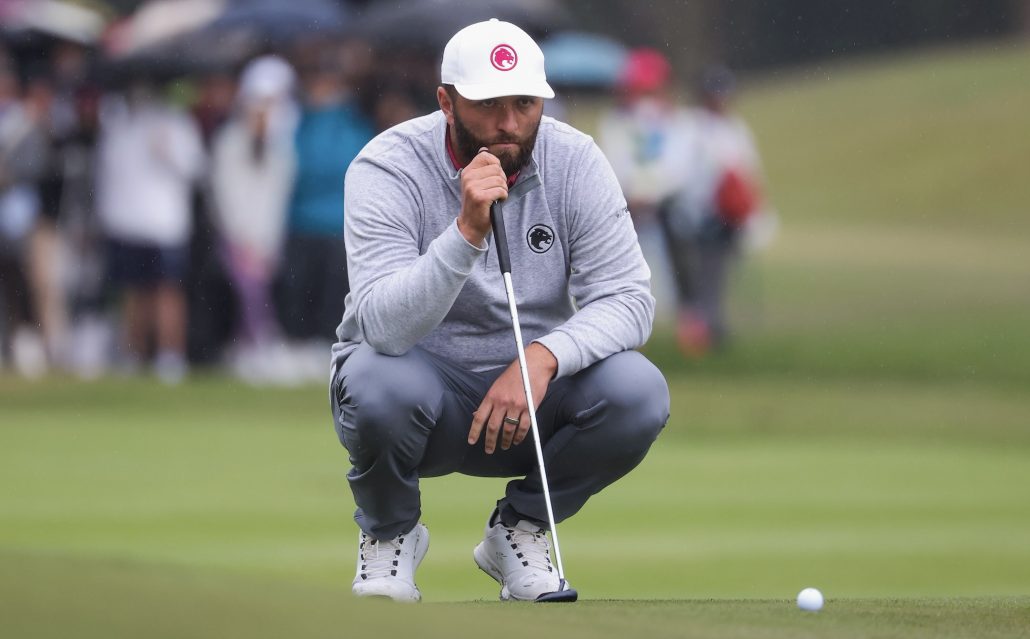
[[540, 238]]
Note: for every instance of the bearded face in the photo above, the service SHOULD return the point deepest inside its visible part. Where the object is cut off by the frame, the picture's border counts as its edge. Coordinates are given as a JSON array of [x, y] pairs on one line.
[[514, 147]]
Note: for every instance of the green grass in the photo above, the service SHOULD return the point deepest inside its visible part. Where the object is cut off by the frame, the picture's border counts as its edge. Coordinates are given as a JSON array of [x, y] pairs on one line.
[[903, 252], [937, 139], [215, 505], [57, 598], [866, 433]]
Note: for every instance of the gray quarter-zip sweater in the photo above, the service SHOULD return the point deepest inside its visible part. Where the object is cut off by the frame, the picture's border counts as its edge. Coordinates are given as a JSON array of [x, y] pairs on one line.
[[581, 283]]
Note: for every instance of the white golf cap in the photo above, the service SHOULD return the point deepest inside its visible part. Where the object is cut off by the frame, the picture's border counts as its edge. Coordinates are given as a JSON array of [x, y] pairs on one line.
[[493, 59]]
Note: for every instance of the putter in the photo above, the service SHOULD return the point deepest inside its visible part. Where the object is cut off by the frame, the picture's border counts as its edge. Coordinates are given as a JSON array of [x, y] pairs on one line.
[[565, 592]]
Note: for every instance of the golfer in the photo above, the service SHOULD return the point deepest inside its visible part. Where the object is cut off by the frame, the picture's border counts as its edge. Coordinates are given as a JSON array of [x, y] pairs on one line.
[[425, 377]]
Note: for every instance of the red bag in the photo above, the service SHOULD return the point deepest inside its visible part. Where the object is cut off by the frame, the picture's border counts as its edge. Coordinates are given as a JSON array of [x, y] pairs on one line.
[[736, 198]]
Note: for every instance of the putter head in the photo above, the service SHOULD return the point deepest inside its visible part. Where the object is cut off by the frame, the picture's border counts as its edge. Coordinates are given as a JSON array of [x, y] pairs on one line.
[[564, 594]]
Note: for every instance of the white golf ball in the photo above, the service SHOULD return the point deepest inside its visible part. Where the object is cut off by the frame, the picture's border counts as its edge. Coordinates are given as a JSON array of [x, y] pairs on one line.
[[810, 599]]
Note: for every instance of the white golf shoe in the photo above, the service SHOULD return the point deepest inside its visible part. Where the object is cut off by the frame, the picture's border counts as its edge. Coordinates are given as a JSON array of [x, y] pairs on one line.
[[386, 568], [519, 559]]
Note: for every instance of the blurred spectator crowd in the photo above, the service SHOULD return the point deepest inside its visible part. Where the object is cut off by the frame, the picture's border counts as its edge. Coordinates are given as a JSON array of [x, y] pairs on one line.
[[171, 190], [149, 222], [694, 187]]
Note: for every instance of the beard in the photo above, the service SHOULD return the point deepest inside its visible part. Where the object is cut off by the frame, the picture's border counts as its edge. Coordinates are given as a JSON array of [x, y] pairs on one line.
[[469, 145]]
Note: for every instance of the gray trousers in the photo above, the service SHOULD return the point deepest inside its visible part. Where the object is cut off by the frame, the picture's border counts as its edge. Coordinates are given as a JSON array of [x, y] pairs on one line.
[[408, 417]]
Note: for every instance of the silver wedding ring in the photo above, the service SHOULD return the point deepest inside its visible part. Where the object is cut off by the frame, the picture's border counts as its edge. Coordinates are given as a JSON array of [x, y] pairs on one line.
[[509, 420]]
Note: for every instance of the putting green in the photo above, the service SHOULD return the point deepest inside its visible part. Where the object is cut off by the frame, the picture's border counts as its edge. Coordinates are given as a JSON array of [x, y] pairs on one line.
[[57, 598]]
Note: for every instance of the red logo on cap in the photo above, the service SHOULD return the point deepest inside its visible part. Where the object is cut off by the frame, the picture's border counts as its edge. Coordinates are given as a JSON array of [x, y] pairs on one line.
[[504, 58]]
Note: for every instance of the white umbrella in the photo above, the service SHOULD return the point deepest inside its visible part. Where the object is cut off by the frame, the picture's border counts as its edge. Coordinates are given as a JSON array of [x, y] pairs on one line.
[[160, 21], [63, 20]]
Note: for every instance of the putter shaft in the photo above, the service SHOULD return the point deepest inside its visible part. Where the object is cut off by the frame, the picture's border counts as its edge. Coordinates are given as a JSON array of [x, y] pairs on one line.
[[504, 260], [531, 408]]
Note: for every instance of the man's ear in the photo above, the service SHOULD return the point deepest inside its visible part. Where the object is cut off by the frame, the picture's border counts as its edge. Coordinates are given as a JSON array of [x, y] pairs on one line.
[[446, 105]]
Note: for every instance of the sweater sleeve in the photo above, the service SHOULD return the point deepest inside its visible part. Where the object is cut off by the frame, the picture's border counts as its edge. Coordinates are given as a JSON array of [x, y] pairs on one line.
[[398, 294], [609, 281]]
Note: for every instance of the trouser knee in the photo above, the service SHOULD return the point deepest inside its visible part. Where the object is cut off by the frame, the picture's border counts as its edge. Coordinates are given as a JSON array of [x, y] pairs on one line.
[[635, 401], [384, 404], [615, 411]]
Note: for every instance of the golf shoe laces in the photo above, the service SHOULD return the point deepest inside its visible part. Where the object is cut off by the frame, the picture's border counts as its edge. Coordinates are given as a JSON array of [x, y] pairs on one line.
[[379, 558], [531, 547]]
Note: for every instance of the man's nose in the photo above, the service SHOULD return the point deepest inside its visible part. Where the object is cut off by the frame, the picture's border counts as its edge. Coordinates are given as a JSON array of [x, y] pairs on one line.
[[508, 122]]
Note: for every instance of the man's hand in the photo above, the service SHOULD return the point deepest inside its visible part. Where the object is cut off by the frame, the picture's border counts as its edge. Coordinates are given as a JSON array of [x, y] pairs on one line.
[[482, 182], [507, 398]]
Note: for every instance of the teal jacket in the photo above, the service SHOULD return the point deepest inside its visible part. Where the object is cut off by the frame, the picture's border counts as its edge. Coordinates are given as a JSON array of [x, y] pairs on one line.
[[327, 140]]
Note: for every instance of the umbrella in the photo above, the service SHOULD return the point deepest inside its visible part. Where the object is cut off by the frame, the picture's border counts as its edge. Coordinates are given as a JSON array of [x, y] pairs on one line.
[[53, 18], [280, 21], [159, 22], [157, 41], [585, 60], [220, 35], [429, 24]]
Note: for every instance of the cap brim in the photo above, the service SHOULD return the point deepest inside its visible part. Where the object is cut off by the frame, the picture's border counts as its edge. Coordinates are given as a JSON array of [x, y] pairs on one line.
[[488, 91]]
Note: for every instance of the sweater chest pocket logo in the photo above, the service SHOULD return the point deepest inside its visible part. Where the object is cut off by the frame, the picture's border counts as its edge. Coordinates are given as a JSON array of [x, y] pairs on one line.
[[540, 238]]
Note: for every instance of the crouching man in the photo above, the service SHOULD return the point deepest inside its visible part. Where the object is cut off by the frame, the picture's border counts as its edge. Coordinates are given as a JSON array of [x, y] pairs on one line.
[[426, 380]]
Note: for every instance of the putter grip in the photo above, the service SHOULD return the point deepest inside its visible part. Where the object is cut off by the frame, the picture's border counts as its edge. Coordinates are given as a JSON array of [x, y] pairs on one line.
[[500, 238]]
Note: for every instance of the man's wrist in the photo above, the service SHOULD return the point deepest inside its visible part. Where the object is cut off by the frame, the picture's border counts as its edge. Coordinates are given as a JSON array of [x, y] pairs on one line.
[[543, 358], [471, 236]]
